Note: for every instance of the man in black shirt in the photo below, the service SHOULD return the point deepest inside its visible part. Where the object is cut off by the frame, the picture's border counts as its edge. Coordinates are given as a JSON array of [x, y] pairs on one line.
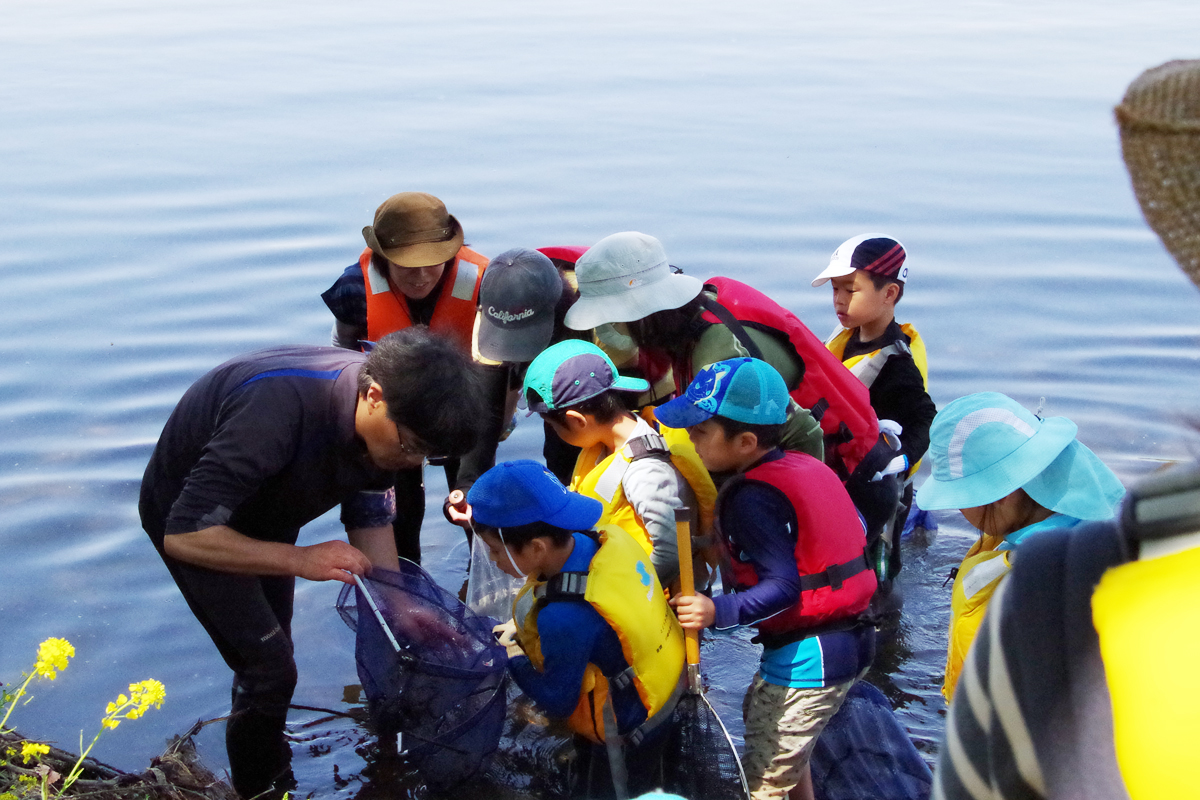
[[259, 447]]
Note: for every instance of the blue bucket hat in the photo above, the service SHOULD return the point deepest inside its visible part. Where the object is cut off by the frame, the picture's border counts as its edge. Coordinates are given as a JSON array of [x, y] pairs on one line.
[[521, 492], [570, 372], [985, 446], [741, 389]]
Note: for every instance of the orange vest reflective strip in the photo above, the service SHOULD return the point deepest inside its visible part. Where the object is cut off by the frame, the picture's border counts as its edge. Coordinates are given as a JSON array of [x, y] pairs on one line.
[[454, 314]]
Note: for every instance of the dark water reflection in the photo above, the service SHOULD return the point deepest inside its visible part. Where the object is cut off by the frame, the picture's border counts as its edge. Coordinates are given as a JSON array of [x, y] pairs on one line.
[[179, 184]]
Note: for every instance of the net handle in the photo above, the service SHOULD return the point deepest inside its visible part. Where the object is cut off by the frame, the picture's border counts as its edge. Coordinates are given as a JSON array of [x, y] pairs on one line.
[[458, 501], [362, 587], [687, 578]]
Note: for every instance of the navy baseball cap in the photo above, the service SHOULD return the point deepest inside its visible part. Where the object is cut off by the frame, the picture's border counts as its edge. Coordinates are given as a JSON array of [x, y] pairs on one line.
[[517, 298], [876, 253], [521, 492], [740, 389]]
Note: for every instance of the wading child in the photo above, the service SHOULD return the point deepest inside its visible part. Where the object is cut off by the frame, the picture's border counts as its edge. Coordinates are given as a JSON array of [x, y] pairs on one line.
[[868, 274], [639, 473], [1013, 476], [592, 639], [799, 570]]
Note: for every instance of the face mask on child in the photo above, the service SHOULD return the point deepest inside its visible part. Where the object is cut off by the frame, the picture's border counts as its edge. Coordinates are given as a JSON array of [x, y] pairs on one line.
[[500, 533]]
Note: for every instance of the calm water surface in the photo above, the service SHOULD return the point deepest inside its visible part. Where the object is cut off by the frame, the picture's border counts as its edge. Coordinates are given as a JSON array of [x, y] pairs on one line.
[[179, 182]]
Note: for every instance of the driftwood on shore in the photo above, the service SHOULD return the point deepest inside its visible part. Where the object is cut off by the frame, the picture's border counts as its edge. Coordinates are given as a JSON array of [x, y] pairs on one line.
[[177, 774]]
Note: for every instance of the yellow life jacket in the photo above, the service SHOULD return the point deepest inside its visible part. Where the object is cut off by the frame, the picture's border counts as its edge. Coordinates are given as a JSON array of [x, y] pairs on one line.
[[601, 479], [976, 582], [866, 366], [621, 585], [1147, 615]]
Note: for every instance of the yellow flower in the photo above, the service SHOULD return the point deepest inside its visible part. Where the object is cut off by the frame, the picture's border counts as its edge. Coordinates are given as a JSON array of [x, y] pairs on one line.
[[53, 655], [110, 723], [145, 694], [32, 750]]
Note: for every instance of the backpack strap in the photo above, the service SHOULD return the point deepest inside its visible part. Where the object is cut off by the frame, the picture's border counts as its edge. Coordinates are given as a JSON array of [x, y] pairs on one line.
[[563, 586], [836, 575], [652, 445], [733, 323], [868, 369]]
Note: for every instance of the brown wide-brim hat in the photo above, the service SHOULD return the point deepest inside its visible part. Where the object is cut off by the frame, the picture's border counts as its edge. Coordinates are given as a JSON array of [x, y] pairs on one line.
[[1160, 140], [413, 229]]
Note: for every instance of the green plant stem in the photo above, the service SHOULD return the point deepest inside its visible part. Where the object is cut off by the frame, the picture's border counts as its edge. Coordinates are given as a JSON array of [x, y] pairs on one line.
[[77, 770], [20, 693]]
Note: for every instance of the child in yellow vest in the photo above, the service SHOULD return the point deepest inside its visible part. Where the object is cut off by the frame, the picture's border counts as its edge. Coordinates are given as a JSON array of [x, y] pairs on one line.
[[868, 274], [640, 473], [592, 640], [1013, 475]]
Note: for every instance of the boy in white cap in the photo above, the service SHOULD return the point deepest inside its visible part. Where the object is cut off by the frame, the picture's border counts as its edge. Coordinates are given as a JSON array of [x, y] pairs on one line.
[[868, 273]]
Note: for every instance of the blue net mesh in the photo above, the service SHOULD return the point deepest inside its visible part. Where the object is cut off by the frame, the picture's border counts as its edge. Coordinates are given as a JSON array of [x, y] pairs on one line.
[[864, 751], [444, 688]]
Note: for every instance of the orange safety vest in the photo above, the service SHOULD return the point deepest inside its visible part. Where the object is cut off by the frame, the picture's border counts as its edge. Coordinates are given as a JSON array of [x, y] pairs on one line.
[[454, 314]]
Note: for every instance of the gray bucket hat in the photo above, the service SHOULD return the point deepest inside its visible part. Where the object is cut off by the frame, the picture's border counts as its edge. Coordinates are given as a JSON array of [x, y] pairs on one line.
[[626, 277], [413, 229]]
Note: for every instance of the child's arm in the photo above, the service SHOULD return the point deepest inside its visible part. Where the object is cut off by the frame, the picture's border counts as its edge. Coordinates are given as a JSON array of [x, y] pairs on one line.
[[695, 611], [567, 632], [653, 487], [898, 393], [758, 521]]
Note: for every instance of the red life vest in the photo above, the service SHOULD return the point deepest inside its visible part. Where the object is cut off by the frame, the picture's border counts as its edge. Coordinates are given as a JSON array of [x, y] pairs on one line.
[[837, 400], [569, 254], [454, 314], [836, 579]]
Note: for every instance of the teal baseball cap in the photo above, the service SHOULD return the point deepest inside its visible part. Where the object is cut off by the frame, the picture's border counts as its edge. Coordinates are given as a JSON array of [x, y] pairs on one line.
[[570, 372], [985, 446], [741, 389]]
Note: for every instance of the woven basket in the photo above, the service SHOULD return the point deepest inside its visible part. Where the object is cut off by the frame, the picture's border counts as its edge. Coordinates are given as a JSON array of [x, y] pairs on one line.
[[1160, 139]]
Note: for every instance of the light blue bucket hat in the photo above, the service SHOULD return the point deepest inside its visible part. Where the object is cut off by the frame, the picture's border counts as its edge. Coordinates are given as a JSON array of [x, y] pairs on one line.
[[985, 446]]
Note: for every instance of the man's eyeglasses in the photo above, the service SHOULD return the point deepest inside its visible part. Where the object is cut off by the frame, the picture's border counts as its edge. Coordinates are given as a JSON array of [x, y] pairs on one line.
[[410, 445]]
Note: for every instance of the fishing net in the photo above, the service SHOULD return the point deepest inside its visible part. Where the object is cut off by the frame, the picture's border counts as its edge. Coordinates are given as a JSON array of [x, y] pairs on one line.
[[442, 683], [1160, 140], [864, 751], [702, 763]]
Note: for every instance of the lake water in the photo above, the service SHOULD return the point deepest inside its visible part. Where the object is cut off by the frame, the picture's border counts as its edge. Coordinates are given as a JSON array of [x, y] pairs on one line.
[[179, 182]]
